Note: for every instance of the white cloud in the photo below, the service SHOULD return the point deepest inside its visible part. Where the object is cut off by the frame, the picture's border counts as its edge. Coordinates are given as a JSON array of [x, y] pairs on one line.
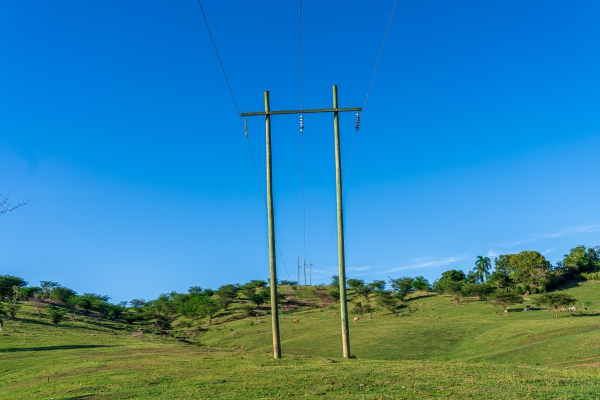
[[565, 232], [428, 262]]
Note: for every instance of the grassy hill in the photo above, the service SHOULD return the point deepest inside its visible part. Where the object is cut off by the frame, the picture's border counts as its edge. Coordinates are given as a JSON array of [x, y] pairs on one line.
[[435, 348]]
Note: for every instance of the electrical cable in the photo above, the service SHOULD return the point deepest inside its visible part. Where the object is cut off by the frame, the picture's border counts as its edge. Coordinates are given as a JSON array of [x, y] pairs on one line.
[[364, 106], [302, 125], [242, 122]]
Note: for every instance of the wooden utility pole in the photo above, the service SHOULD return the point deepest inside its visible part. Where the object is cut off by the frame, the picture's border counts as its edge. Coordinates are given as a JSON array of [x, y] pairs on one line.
[[340, 217], [271, 223], [304, 272]]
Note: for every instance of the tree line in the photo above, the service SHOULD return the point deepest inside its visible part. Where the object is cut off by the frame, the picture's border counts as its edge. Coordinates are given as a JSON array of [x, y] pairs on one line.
[[514, 275]]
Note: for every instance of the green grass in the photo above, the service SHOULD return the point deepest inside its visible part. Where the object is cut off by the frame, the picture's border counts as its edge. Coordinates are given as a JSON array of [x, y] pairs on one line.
[[469, 352]]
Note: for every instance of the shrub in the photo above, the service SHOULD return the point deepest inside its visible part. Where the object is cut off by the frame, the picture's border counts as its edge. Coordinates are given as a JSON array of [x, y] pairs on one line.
[[56, 315]]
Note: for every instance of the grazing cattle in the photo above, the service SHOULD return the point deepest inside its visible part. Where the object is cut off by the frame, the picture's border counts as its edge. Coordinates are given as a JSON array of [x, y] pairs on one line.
[[164, 333], [527, 308], [571, 309], [356, 319], [296, 320]]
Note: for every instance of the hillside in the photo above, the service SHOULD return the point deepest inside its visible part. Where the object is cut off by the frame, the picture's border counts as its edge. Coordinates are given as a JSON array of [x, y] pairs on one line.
[[433, 348]]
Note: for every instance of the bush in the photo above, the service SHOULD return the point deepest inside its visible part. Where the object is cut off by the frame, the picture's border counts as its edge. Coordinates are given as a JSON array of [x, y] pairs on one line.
[[56, 315], [591, 276], [249, 310]]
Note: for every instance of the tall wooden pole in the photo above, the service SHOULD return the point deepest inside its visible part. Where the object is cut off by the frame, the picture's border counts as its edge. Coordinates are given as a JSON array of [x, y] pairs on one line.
[[271, 223], [340, 218], [340, 224]]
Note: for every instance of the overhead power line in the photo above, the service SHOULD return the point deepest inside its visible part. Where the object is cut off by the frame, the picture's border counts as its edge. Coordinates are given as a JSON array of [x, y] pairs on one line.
[[387, 29], [237, 110]]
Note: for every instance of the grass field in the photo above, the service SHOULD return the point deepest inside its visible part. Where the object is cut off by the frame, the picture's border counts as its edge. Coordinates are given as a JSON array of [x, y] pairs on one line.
[[439, 350]]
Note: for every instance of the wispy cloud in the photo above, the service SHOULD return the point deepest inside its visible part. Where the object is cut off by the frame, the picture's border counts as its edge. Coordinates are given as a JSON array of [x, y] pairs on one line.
[[492, 253], [428, 262], [565, 232], [359, 268], [548, 251]]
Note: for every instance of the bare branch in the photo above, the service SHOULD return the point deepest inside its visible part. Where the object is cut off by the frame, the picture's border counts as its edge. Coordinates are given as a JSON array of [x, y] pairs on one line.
[[5, 206]]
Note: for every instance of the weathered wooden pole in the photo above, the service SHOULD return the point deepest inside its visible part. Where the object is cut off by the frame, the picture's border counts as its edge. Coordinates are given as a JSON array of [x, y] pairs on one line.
[[340, 217], [340, 225], [271, 227]]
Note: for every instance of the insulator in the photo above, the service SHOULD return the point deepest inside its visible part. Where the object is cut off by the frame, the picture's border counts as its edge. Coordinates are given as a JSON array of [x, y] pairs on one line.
[[301, 123], [246, 127], [357, 121]]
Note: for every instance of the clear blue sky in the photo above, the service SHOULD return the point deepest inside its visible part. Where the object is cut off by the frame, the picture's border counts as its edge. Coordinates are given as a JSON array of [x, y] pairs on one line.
[[480, 137]]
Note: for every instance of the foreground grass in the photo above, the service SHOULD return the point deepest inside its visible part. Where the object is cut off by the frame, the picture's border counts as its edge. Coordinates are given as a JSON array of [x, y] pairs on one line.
[[172, 370], [441, 350]]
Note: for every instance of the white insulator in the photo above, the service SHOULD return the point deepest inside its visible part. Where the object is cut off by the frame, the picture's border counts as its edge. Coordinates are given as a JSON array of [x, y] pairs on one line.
[[246, 127]]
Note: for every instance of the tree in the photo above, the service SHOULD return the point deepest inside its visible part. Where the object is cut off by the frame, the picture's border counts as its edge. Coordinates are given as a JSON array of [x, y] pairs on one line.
[[2, 315], [56, 314], [377, 285], [555, 300], [482, 268], [402, 286], [195, 289], [355, 284], [501, 280], [14, 307], [7, 282], [455, 289], [286, 282], [47, 288], [421, 284], [63, 294], [5, 206], [385, 299], [529, 270], [227, 294], [91, 301], [209, 308], [479, 290], [581, 259], [442, 285], [335, 280], [505, 299]]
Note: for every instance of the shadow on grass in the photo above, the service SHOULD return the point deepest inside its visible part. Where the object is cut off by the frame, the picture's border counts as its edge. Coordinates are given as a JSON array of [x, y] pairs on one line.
[[51, 348], [589, 314]]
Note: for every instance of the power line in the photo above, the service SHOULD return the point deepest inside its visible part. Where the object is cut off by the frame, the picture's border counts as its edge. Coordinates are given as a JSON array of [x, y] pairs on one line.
[[302, 125], [364, 106], [237, 110]]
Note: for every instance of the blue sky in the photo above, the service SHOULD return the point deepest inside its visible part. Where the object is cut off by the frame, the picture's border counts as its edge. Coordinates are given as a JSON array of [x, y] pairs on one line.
[[480, 137]]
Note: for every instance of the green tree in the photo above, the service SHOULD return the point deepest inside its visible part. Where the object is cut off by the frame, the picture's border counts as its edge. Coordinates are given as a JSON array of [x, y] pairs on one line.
[[47, 288], [355, 284], [529, 270], [63, 294], [483, 265], [335, 280], [402, 286], [91, 301], [227, 294], [479, 290], [377, 285], [385, 299], [442, 285], [505, 299], [2, 315], [14, 307], [7, 282], [421, 284], [555, 300], [455, 289], [56, 314], [581, 259]]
